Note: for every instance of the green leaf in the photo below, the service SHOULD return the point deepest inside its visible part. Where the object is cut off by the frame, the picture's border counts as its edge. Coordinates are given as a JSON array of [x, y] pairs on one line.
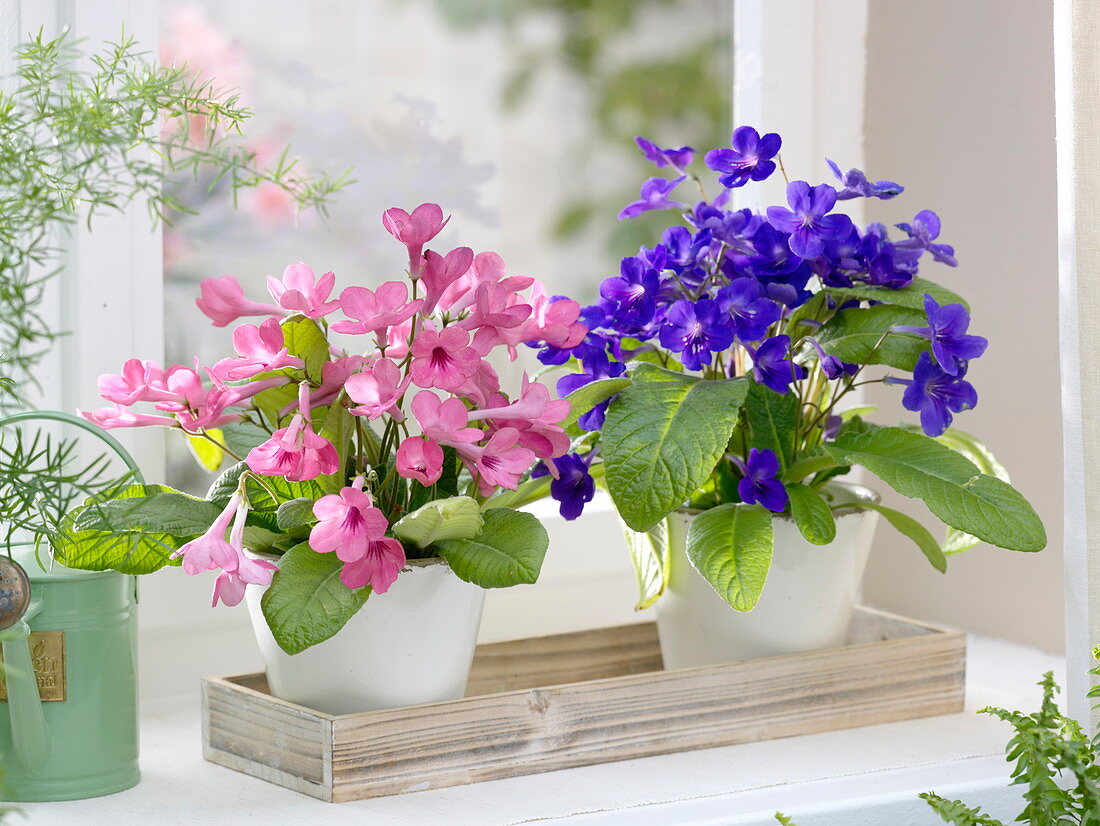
[[162, 510], [731, 547], [338, 427], [304, 339], [129, 552], [209, 455], [958, 813], [294, 513], [585, 398], [274, 400], [861, 411], [949, 484], [910, 527], [812, 515], [661, 440], [306, 602], [956, 541], [508, 551], [649, 553], [259, 498], [458, 517], [772, 418], [647, 371], [241, 437], [911, 296], [863, 336]]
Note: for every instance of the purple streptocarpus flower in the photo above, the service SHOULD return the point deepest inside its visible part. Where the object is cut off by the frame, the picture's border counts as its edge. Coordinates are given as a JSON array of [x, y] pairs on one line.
[[751, 313], [922, 232], [750, 159], [695, 330], [854, 184], [935, 394], [886, 264], [771, 365], [574, 486], [732, 227], [831, 366], [758, 484], [946, 329], [807, 220], [677, 158], [655, 192], [633, 293]]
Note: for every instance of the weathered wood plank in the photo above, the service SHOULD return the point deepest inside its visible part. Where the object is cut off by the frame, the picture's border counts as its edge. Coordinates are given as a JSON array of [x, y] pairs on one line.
[[589, 697]]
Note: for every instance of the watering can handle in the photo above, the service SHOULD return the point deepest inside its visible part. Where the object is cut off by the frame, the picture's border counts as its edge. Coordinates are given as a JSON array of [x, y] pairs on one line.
[[28, 723]]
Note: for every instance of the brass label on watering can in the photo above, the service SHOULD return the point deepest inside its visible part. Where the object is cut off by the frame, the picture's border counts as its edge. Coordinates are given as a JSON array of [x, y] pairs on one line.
[[48, 658]]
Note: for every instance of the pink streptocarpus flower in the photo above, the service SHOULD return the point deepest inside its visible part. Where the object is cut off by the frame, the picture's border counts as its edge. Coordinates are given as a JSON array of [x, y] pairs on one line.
[[261, 349], [534, 404], [421, 459], [376, 311], [444, 359], [116, 416], [488, 268], [440, 271], [211, 551], [499, 462], [197, 407], [139, 381], [497, 317], [442, 420], [295, 452], [554, 321], [349, 521], [300, 291], [415, 230], [223, 301], [377, 389], [481, 386], [378, 567], [333, 375]]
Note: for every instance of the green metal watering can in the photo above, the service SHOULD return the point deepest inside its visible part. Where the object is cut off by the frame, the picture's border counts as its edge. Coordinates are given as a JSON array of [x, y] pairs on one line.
[[70, 726]]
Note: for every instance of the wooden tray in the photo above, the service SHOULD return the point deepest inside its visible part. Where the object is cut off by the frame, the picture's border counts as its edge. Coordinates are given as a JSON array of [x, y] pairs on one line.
[[575, 699]]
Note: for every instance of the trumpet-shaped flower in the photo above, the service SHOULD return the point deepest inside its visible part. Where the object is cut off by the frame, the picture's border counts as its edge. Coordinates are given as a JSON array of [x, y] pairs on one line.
[[444, 420], [378, 567], [695, 329], [223, 301], [421, 459], [499, 462], [749, 159], [654, 195], [415, 230], [348, 522], [116, 416], [924, 230], [444, 359], [751, 312], [633, 293], [377, 389], [300, 291], [376, 311], [573, 487], [676, 158], [260, 349], [808, 221], [440, 272], [758, 484], [951, 345], [140, 381], [935, 394], [854, 184], [772, 367], [295, 452]]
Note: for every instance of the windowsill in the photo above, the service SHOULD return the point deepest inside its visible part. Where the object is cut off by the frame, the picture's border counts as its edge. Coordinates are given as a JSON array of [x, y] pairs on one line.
[[814, 774]]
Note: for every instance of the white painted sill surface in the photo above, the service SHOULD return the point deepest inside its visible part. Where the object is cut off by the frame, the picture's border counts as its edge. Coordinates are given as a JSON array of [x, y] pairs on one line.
[[845, 778]]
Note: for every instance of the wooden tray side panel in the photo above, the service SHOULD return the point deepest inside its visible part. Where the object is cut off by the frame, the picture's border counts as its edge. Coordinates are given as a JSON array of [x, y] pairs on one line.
[[565, 658], [524, 732], [259, 735]]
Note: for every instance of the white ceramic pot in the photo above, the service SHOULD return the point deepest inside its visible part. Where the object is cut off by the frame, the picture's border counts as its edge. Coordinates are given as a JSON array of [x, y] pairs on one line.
[[413, 644], [806, 603]]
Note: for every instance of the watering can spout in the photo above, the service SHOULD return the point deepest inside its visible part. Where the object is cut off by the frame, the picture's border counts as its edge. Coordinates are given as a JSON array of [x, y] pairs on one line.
[[28, 723]]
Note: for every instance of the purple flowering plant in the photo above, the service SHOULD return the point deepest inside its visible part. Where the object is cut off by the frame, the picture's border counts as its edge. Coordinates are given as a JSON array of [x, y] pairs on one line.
[[717, 363]]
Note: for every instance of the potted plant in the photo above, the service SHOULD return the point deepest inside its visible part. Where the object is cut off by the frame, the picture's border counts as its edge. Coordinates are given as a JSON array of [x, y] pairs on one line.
[[713, 385], [364, 496]]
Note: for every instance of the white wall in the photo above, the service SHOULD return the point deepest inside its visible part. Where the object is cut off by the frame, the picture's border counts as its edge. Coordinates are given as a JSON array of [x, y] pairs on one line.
[[960, 109]]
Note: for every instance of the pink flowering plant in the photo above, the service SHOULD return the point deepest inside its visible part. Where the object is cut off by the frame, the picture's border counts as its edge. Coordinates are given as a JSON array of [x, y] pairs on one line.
[[351, 457]]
